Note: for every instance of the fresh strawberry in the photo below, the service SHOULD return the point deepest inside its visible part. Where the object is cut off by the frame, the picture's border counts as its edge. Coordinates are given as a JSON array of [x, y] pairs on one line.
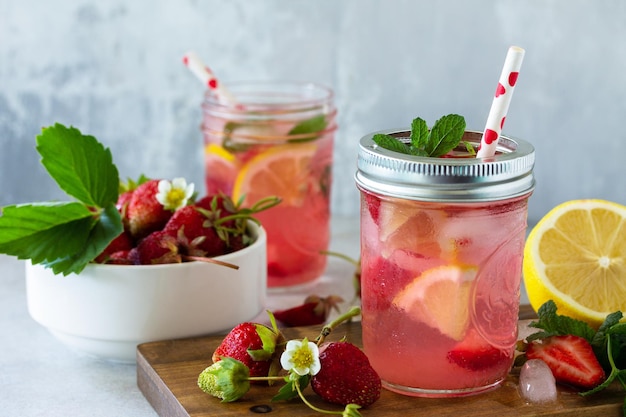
[[475, 354], [121, 243], [219, 204], [570, 358], [254, 345], [123, 257], [122, 203], [194, 233], [346, 376], [315, 310], [126, 192], [144, 212], [225, 224], [156, 248]]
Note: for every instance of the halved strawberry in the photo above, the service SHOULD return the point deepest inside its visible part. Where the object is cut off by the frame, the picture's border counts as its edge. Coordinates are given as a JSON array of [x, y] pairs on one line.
[[475, 354], [570, 358]]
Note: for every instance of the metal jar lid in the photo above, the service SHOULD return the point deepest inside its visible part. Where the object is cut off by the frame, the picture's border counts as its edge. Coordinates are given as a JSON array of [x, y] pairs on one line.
[[506, 175]]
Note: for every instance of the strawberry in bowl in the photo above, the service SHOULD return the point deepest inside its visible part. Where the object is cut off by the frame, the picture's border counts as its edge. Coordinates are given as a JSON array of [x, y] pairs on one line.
[[119, 266]]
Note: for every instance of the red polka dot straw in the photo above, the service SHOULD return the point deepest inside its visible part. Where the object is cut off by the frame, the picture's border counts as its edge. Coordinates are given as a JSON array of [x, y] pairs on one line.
[[501, 101], [206, 76]]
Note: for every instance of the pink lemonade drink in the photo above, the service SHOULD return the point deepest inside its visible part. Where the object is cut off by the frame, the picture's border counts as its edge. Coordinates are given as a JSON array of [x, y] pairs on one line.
[[441, 247], [277, 140]]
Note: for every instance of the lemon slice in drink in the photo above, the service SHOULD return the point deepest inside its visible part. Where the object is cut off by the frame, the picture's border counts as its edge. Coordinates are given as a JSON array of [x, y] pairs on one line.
[[576, 256], [439, 298], [282, 171], [218, 151]]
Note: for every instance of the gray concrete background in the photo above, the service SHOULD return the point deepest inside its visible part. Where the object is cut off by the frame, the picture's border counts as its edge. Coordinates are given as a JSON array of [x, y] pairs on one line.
[[113, 69]]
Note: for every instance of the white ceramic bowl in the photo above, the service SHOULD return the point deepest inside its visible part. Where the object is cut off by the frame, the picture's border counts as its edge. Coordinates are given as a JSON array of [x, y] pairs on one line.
[[107, 310]]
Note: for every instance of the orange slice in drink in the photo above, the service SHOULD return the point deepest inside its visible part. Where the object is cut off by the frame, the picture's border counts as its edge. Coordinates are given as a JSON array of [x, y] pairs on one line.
[[440, 298], [282, 171]]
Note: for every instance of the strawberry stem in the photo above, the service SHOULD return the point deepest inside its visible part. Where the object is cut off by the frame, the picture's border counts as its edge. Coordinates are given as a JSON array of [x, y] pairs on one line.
[[210, 261], [326, 330], [352, 408], [246, 213], [266, 378], [353, 261]]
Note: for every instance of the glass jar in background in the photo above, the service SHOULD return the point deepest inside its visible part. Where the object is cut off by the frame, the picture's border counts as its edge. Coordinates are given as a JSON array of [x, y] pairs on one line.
[[276, 139], [442, 242]]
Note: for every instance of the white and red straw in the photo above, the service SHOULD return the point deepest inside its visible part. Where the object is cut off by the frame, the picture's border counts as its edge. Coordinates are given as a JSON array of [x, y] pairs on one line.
[[501, 101], [206, 76]]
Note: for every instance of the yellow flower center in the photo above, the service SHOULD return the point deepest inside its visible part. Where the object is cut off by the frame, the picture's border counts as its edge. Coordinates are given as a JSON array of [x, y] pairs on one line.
[[175, 197], [302, 358]]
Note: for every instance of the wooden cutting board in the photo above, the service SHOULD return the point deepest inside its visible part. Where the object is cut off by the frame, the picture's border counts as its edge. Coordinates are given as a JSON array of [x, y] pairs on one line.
[[167, 372]]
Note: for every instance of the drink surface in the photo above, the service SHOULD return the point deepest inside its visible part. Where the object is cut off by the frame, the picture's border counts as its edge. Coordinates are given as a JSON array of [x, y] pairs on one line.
[[440, 292], [268, 153]]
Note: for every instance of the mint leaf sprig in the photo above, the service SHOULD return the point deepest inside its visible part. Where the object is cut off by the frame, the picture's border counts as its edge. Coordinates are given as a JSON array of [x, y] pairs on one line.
[[66, 236], [445, 135], [608, 341]]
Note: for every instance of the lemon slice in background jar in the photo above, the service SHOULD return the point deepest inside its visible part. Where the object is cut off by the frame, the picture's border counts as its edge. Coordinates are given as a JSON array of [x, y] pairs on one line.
[[576, 256]]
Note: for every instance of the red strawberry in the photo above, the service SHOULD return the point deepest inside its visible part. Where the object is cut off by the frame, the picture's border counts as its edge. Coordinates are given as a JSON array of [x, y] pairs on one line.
[[220, 204], [122, 257], [315, 310], [144, 212], [346, 376], [156, 248], [194, 233], [570, 358], [254, 345], [475, 354], [229, 221], [121, 243], [122, 203]]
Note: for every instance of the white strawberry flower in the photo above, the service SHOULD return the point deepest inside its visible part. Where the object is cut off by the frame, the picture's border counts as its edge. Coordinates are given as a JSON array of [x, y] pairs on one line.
[[301, 357], [174, 194]]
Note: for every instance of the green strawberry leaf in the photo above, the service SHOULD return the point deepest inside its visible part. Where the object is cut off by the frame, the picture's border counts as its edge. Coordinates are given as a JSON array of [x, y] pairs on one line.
[[80, 165], [445, 135], [289, 391], [35, 231], [67, 236], [64, 236], [103, 232]]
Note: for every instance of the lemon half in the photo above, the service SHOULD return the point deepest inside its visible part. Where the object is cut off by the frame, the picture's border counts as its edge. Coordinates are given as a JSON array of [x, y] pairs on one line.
[[576, 256]]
